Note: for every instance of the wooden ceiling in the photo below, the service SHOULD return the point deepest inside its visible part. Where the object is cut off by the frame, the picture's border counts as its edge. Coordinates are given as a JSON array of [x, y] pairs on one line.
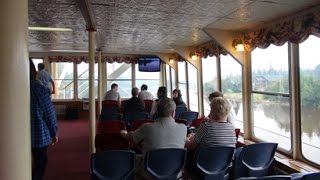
[[147, 26]]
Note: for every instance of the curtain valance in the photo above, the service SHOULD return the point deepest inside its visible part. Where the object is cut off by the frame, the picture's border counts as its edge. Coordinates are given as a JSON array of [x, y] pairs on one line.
[[210, 49], [79, 59], [294, 29]]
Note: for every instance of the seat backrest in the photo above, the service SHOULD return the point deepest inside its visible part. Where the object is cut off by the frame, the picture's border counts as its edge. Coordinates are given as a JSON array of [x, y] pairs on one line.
[[114, 164], [189, 116], [165, 163], [237, 132], [311, 176], [274, 177], [179, 110], [148, 105], [214, 161], [136, 124], [258, 158], [110, 126], [110, 103], [110, 141], [110, 113]]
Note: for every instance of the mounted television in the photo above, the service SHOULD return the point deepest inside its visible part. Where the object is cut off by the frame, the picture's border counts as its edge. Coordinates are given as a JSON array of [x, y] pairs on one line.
[[149, 64]]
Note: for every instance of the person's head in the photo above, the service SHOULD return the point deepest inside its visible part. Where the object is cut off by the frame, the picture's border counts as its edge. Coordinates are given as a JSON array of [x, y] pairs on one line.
[[114, 87], [135, 92], [214, 95], [40, 66], [166, 107], [144, 87], [33, 72], [176, 93], [162, 92], [220, 109]]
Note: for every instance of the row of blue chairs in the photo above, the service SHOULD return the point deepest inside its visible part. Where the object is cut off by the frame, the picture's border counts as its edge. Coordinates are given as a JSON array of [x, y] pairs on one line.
[[212, 163], [297, 176]]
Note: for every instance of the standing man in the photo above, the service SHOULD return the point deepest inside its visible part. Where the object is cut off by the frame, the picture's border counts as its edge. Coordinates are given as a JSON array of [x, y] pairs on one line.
[[43, 124], [144, 94], [45, 78], [113, 94]]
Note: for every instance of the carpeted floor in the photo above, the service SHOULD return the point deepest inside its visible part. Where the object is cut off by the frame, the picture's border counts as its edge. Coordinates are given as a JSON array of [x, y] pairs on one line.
[[69, 159]]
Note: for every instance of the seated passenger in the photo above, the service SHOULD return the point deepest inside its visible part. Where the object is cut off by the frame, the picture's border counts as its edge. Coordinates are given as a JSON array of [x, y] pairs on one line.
[[216, 131], [133, 105], [177, 98], [162, 93], [113, 94], [144, 94], [230, 117], [163, 133]]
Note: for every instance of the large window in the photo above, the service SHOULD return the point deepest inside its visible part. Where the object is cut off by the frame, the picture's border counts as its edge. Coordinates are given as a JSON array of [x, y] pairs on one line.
[[36, 61], [62, 75], [231, 87], [173, 79], [270, 95], [310, 98], [151, 79], [119, 73], [168, 80], [193, 88], [83, 80], [209, 75], [182, 82]]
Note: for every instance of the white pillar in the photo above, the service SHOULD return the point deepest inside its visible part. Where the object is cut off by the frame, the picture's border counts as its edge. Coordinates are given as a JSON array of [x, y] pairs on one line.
[[15, 150], [100, 82], [92, 103]]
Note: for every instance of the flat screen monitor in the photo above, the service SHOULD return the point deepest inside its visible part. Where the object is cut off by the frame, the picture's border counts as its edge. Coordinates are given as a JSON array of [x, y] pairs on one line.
[[149, 64]]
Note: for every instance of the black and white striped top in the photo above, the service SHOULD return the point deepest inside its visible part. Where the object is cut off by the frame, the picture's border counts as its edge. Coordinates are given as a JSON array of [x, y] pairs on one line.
[[213, 133]]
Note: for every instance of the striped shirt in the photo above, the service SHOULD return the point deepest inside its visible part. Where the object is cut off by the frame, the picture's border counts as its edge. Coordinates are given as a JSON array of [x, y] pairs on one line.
[[213, 133], [43, 119]]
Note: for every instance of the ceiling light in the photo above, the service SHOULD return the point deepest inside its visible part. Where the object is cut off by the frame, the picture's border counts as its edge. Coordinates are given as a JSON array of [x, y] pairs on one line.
[[171, 61], [238, 45], [49, 29]]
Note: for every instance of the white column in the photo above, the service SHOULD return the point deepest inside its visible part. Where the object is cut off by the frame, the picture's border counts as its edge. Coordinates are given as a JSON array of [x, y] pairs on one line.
[[15, 150], [92, 104], [100, 82]]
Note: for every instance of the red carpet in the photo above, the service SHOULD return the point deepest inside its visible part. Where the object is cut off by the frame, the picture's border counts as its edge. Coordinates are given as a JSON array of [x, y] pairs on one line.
[[69, 159]]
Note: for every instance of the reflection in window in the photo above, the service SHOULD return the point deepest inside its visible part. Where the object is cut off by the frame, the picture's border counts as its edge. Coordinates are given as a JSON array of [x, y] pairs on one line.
[[182, 83], [193, 88], [231, 82], [119, 73], [310, 98], [83, 80], [209, 74], [62, 75], [270, 100], [173, 79], [151, 79], [168, 79]]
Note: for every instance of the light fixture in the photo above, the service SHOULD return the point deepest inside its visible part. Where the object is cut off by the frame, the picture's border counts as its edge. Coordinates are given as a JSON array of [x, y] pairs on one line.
[[171, 60], [49, 29], [194, 56], [238, 45]]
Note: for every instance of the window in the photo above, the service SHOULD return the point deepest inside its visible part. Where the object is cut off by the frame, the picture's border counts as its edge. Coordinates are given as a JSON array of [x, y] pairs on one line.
[[193, 88], [173, 78], [168, 78], [310, 98], [62, 75], [36, 61], [83, 80], [120, 73], [151, 79], [209, 75], [182, 82], [270, 95], [231, 82]]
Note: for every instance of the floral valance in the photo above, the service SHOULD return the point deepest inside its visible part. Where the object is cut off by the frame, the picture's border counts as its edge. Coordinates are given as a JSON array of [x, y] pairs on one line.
[[79, 59], [210, 49], [178, 58], [293, 29]]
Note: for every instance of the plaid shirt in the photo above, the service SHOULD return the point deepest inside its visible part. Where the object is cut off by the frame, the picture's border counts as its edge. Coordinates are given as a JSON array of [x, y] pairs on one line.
[[43, 119]]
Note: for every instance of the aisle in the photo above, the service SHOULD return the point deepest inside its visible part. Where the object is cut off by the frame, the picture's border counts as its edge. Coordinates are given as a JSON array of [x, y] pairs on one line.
[[69, 158]]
